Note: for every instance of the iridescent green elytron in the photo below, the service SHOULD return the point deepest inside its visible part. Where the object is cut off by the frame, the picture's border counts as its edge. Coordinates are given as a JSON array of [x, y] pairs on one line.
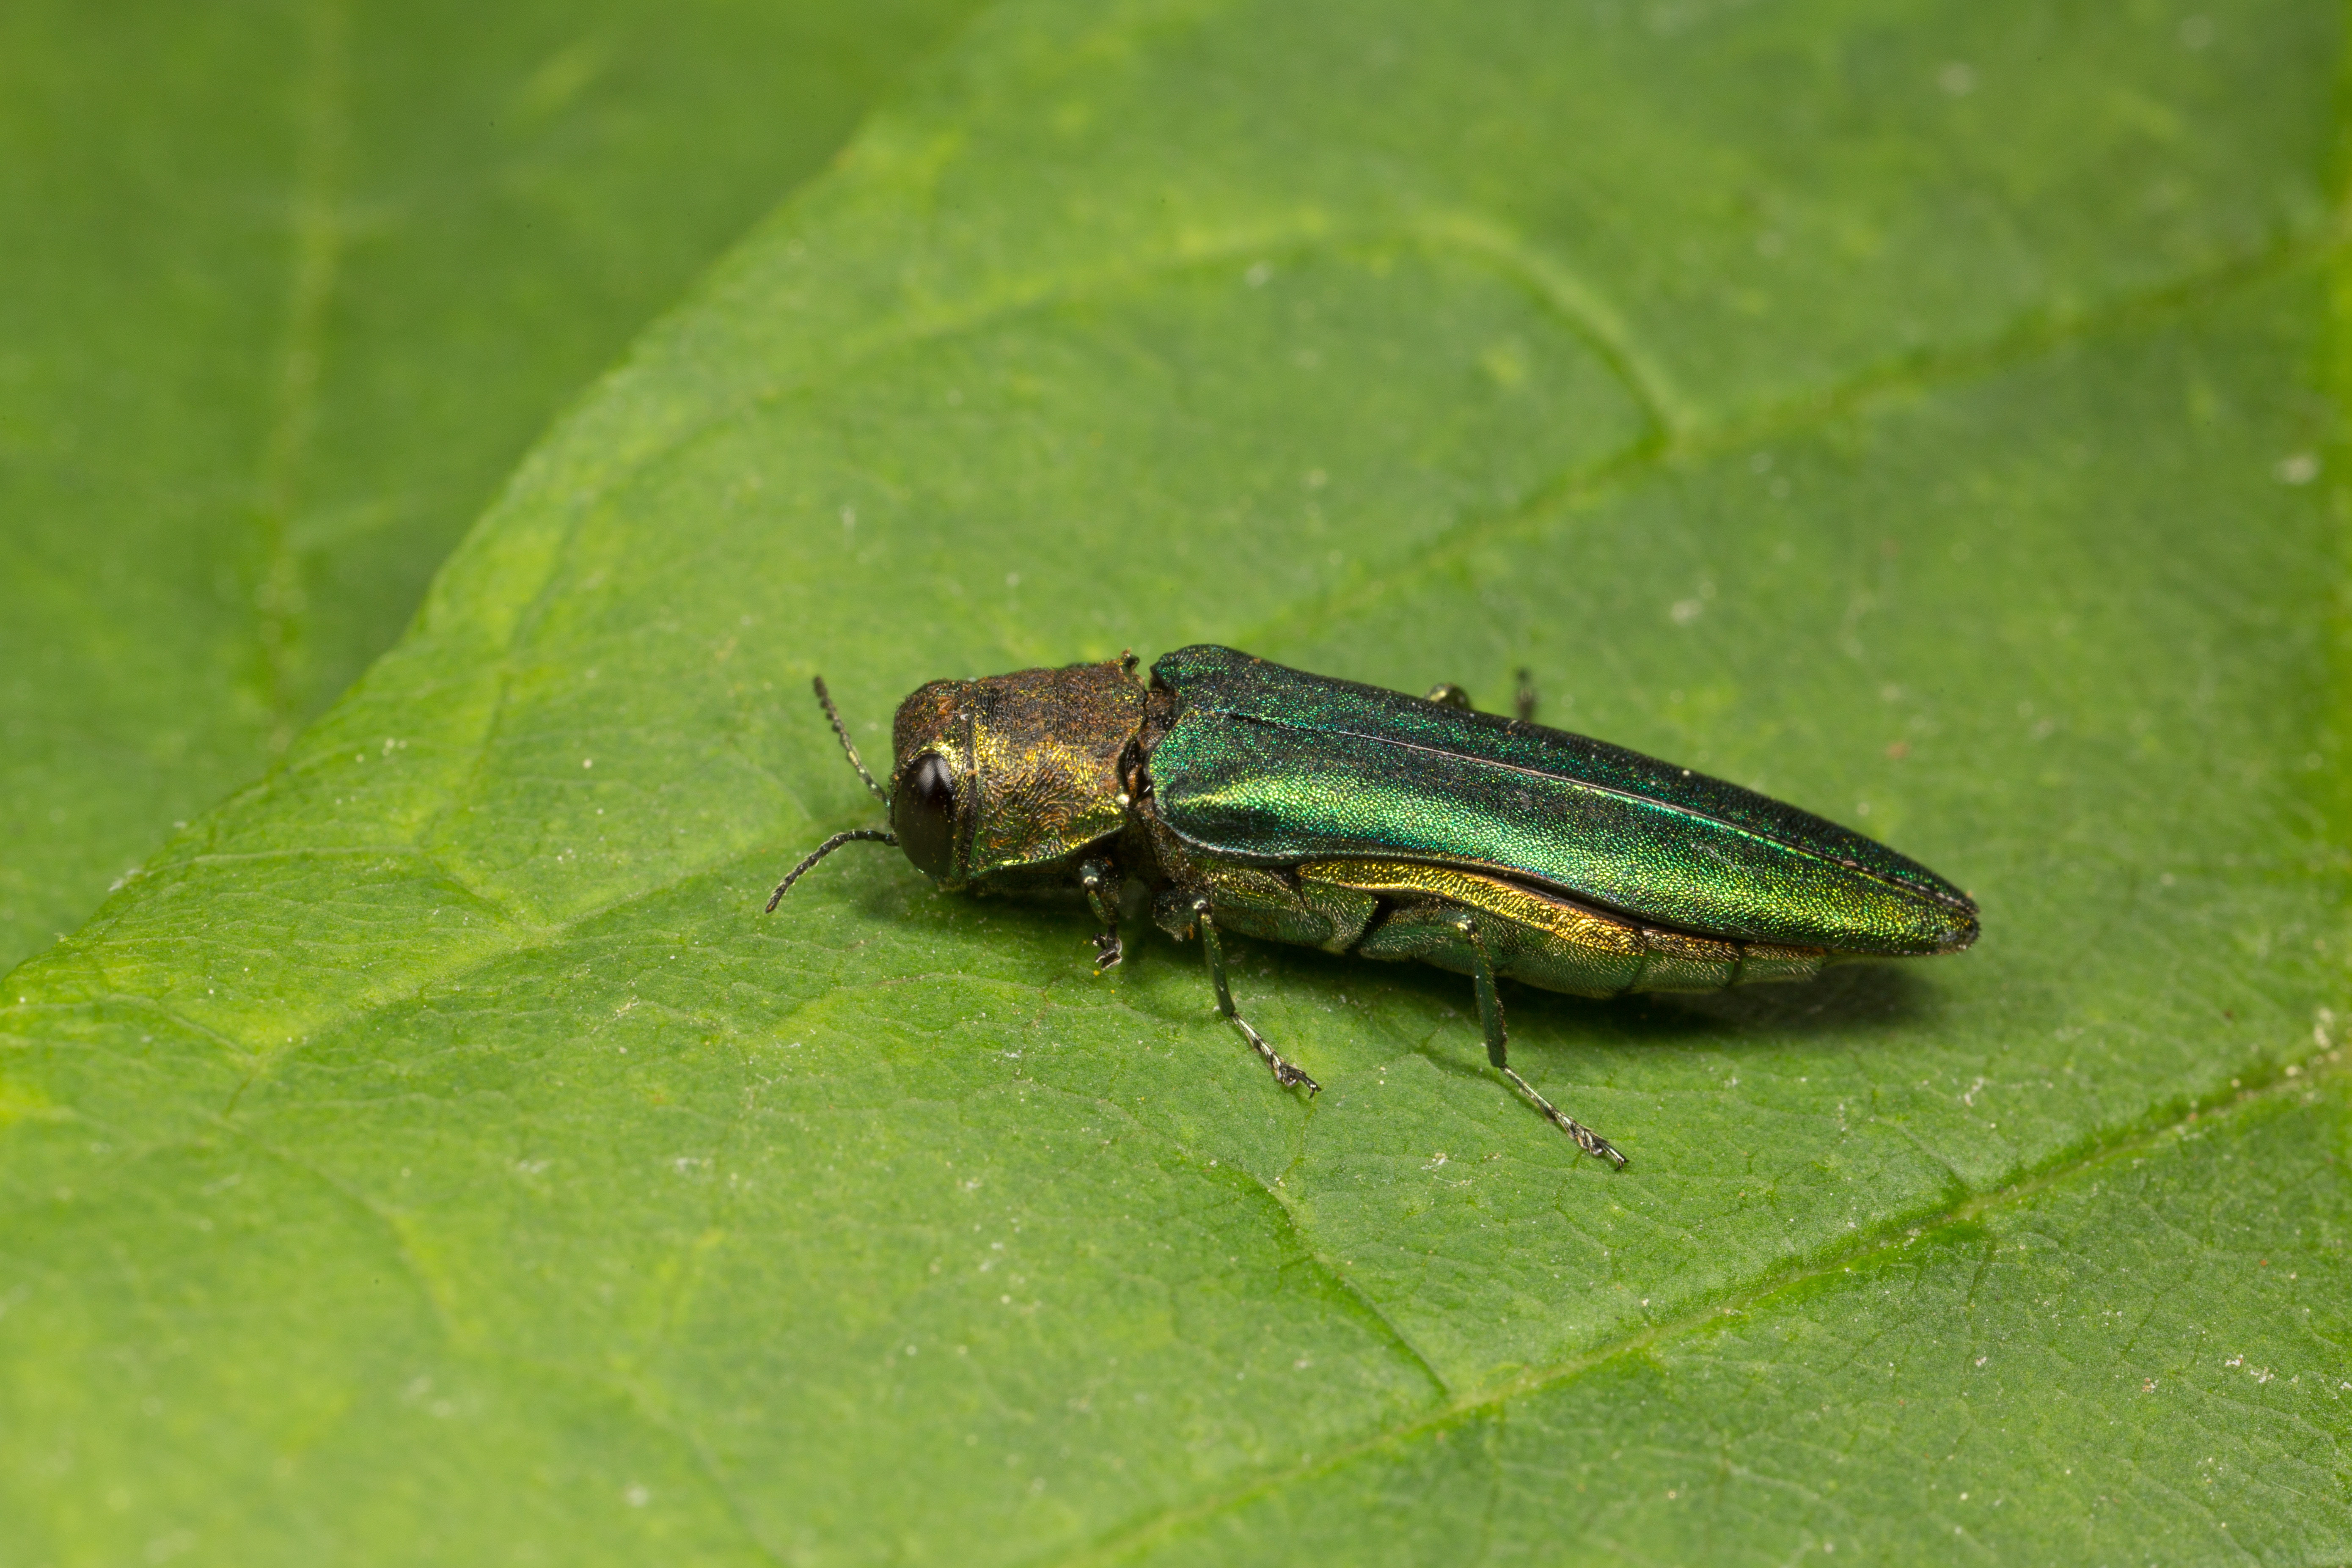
[[1238, 795]]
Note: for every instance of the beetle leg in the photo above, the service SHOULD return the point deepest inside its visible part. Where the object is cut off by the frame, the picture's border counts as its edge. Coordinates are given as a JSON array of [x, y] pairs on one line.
[[1447, 694], [1523, 697], [1490, 1020], [1214, 952], [1099, 878]]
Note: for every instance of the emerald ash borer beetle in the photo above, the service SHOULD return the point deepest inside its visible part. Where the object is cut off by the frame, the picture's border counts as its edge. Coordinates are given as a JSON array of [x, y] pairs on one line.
[[1239, 796]]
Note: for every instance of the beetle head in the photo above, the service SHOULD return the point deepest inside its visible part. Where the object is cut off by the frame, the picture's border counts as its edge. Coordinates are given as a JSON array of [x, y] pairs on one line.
[[1011, 773]]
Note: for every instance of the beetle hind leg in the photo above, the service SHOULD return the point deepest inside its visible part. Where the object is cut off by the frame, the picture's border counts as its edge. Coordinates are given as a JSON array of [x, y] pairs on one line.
[[1490, 1023], [1213, 953], [1445, 694]]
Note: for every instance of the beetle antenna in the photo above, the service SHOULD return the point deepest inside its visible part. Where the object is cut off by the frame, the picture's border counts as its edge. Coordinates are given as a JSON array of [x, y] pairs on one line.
[[841, 733], [855, 835]]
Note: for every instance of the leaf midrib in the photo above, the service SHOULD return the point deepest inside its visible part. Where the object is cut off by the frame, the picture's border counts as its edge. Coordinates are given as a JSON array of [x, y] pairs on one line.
[[1582, 486], [1585, 485], [1670, 443]]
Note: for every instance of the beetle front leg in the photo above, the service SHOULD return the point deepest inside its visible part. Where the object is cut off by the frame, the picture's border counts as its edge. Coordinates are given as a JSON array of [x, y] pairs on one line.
[[1100, 879], [1490, 1021], [1214, 952]]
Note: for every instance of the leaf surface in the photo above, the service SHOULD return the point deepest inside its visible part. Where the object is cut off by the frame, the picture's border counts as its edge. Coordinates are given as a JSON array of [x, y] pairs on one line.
[[1923, 415], [289, 288]]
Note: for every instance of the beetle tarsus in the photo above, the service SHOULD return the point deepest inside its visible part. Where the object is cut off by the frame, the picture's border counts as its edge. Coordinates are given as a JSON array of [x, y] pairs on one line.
[[1213, 953], [1108, 949], [1490, 1024], [1289, 1075], [1589, 1140]]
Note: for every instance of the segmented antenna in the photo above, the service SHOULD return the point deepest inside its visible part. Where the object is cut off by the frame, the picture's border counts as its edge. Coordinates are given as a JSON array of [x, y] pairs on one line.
[[855, 835], [841, 733]]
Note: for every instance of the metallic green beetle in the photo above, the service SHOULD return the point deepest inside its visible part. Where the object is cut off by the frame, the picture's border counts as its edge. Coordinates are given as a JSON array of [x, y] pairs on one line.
[[1242, 797]]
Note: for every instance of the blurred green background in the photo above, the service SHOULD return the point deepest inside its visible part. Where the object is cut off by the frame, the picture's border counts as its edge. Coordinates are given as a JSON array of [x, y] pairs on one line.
[[287, 290]]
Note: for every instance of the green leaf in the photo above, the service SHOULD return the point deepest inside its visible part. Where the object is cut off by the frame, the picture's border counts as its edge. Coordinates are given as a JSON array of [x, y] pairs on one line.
[[2142, 1360], [287, 290], [1927, 416]]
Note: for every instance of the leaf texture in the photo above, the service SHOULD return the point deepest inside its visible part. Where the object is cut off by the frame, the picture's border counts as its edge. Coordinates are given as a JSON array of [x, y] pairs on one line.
[[290, 287], [1925, 414]]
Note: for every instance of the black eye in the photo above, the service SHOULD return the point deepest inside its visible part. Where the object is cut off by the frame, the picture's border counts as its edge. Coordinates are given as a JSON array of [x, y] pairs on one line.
[[923, 815]]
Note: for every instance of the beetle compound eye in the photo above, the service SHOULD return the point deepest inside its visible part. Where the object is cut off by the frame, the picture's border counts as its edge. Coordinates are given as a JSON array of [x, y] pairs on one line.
[[923, 814]]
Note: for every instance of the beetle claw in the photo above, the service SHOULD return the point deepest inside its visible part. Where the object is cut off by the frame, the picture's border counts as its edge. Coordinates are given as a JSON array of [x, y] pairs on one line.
[[1288, 1074], [1592, 1143], [1589, 1140]]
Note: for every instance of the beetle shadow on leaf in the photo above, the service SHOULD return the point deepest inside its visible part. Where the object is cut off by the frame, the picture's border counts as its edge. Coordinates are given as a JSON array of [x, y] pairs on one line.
[[1049, 924], [1845, 999]]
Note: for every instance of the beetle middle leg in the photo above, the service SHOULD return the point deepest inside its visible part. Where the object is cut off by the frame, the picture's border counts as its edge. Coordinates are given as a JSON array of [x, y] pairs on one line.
[[1213, 953], [1490, 1021]]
